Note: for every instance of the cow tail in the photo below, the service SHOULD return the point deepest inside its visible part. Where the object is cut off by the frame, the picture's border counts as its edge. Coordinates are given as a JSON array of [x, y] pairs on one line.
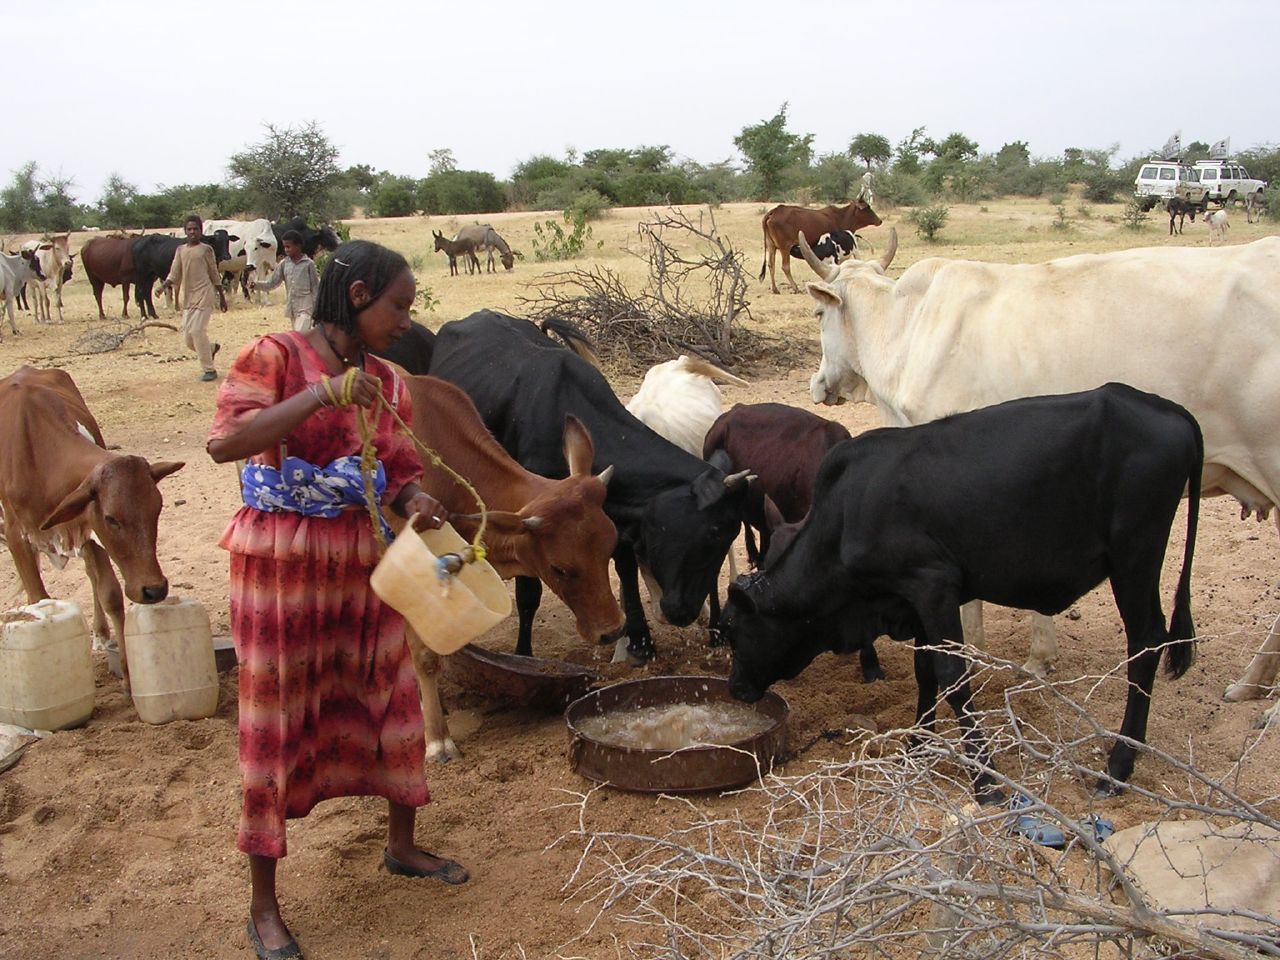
[[573, 338], [764, 225], [1182, 631]]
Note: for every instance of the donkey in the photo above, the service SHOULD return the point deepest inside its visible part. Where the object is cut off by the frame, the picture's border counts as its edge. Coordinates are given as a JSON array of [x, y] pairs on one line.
[[455, 248], [485, 238]]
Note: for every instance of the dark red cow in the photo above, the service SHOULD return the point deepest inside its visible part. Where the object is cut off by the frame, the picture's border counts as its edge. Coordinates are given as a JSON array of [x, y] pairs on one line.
[[783, 224], [109, 260]]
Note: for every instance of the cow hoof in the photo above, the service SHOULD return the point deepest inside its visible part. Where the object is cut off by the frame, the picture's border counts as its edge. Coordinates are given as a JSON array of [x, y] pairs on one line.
[[1038, 669], [714, 637], [988, 795], [1239, 692], [1271, 718], [442, 751], [1107, 788], [872, 675]]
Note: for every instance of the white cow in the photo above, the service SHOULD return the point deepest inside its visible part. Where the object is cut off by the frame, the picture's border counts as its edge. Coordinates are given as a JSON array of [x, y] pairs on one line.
[[16, 270], [38, 290], [679, 401], [56, 261], [254, 247], [1199, 326]]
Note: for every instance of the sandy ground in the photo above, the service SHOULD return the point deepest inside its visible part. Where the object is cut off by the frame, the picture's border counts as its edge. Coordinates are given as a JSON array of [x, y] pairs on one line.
[[116, 839]]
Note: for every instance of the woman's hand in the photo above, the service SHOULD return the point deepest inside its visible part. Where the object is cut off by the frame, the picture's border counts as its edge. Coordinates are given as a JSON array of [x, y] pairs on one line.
[[364, 389], [432, 511]]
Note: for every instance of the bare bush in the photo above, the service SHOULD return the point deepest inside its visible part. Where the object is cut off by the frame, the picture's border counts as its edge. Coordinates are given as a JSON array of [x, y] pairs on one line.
[[693, 301], [885, 855]]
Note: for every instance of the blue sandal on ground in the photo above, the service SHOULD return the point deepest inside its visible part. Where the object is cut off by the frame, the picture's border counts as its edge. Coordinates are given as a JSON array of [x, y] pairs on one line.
[[1046, 832]]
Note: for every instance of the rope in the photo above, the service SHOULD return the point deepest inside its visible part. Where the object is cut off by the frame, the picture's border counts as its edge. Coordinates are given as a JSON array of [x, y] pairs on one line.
[[368, 465]]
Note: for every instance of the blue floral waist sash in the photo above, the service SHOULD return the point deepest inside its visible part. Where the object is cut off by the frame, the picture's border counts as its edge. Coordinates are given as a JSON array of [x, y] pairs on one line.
[[311, 490]]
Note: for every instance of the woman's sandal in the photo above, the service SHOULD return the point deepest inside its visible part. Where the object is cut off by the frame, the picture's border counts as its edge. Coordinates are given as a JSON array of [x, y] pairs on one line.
[[450, 871], [290, 951]]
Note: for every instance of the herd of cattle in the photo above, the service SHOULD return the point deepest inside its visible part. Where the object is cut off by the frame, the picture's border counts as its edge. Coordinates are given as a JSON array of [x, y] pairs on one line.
[[1043, 422]]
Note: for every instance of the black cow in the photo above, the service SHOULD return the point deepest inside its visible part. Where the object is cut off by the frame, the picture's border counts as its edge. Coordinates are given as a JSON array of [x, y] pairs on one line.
[[676, 515], [1177, 208], [831, 247], [1028, 504], [153, 258], [413, 350], [312, 239]]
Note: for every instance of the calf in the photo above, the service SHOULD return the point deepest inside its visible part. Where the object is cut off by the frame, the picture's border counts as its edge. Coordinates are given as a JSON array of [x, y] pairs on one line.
[[1218, 224], [1178, 209], [834, 247], [553, 530], [1030, 503], [88, 502]]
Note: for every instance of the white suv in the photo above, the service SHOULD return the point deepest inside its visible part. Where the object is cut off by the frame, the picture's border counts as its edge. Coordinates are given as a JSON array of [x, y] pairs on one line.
[[1226, 180], [1158, 180]]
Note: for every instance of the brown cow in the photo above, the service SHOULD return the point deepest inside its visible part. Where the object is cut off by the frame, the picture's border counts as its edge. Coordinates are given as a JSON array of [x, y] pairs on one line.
[[109, 260], [783, 224], [553, 531], [62, 494]]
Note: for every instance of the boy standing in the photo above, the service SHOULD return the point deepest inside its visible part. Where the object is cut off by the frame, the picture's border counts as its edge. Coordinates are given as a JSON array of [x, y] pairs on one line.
[[194, 268], [301, 281]]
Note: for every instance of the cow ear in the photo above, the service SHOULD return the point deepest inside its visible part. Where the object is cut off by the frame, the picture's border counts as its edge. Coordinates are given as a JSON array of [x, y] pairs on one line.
[[502, 522], [740, 598], [772, 515], [708, 488], [825, 294], [579, 451], [721, 460], [162, 468], [72, 504]]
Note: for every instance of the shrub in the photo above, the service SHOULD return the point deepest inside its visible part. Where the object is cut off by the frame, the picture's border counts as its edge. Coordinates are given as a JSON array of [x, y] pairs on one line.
[[898, 189], [1060, 222], [1135, 213], [425, 297], [589, 204], [929, 220], [1100, 186], [552, 242]]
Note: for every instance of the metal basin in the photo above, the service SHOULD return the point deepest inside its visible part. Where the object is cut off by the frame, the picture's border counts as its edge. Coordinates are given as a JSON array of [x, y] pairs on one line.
[[688, 770], [518, 681]]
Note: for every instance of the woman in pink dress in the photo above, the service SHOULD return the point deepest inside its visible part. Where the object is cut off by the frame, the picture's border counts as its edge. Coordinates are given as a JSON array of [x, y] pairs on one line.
[[328, 696]]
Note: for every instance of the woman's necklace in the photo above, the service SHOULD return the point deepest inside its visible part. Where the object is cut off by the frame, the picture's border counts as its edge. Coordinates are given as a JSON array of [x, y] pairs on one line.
[[345, 361]]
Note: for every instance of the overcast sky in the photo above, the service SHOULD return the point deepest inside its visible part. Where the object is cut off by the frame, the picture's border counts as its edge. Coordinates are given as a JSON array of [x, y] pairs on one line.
[[164, 92]]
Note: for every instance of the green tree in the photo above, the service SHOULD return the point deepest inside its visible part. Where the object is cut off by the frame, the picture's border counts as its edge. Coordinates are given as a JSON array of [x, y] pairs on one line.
[[19, 204], [292, 172], [870, 147], [907, 153], [441, 160], [770, 150], [1013, 155], [834, 176], [394, 197], [954, 148], [538, 175], [116, 203], [58, 208]]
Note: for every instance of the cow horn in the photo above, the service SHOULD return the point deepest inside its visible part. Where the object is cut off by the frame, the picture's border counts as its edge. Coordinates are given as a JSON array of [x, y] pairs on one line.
[[820, 268], [741, 478], [893, 248], [606, 475]]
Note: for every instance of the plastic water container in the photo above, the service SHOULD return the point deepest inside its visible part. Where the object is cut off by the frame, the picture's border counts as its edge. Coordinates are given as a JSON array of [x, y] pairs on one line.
[[172, 673], [46, 671], [447, 610]]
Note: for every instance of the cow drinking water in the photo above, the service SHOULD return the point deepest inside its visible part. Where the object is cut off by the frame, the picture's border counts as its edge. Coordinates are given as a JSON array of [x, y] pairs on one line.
[[1029, 504]]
